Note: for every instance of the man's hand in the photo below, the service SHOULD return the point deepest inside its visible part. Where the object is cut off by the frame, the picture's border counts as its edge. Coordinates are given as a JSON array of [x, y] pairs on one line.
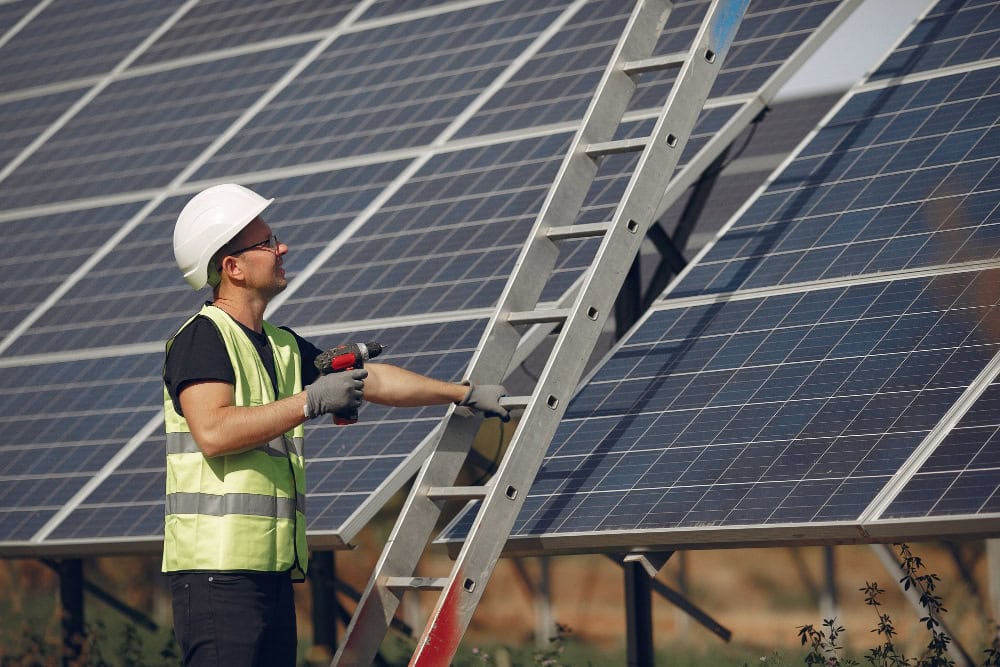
[[486, 399], [336, 393]]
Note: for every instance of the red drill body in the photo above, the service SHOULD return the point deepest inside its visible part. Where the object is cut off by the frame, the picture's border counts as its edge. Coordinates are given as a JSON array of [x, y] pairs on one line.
[[347, 357]]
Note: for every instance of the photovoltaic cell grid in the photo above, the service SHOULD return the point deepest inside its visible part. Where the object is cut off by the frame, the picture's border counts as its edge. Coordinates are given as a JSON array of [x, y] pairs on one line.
[[344, 465], [61, 423], [962, 476], [103, 151], [133, 295], [900, 178], [383, 8], [140, 133], [557, 84], [769, 33], [73, 40], [387, 88], [215, 25], [449, 238], [446, 241], [956, 32], [801, 407], [43, 252], [787, 409], [22, 120], [13, 12]]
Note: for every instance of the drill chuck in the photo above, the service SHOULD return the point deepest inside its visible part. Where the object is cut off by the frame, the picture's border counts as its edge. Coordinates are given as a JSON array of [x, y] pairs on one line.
[[346, 356]]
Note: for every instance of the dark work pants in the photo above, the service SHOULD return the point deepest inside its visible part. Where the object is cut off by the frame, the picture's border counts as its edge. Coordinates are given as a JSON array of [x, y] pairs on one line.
[[234, 619]]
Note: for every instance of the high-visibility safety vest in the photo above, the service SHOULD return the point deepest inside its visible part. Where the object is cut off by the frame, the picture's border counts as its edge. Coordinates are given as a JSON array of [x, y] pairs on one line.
[[243, 511]]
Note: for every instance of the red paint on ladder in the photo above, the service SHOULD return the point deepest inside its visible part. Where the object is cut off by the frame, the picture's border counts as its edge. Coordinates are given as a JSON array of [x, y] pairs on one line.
[[440, 640]]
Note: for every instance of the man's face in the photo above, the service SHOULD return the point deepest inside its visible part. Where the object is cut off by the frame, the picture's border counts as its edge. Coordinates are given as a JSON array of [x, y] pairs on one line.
[[262, 264]]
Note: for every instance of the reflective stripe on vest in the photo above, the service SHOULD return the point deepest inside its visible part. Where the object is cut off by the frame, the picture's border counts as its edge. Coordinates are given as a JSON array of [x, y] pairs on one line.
[[249, 504]]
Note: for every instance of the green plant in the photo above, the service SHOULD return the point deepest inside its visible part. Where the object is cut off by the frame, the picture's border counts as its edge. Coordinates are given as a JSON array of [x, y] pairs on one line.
[[823, 647], [885, 654], [824, 650]]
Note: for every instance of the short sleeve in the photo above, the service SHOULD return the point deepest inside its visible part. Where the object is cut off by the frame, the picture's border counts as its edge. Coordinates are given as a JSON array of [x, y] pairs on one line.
[[308, 353], [197, 354]]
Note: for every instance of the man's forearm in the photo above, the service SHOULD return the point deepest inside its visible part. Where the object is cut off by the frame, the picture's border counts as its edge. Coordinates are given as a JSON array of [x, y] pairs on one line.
[[398, 387], [241, 428]]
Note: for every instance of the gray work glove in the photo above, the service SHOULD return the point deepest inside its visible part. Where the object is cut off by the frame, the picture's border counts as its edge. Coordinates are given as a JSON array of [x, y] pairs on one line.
[[486, 399], [335, 393]]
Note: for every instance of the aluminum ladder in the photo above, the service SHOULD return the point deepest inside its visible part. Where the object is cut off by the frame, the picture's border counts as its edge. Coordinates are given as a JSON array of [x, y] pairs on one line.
[[581, 323]]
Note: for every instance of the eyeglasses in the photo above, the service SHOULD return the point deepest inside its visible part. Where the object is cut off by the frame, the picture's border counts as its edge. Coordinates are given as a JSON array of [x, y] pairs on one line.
[[271, 243]]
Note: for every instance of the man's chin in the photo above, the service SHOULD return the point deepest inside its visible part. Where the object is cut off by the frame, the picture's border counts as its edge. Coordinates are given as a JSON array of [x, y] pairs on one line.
[[279, 286]]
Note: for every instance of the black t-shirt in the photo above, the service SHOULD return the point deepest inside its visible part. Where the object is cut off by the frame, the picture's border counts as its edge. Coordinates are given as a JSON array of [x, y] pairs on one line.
[[198, 354]]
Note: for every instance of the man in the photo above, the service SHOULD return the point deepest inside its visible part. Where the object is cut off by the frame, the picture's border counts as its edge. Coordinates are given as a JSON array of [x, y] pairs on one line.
[[237, 391]]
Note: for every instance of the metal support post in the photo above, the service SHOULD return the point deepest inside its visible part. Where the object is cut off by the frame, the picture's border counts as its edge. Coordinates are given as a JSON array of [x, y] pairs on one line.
[[325, 608], [676, 598], [133, 615], [828, 604], [638, 615], [993, 580], [71, 597]]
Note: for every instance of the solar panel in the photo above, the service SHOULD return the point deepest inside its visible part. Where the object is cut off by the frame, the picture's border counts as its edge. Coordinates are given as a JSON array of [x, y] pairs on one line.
[[225, 24], [386, 8], [556, 85], [12, 13], [48, 249], [384, 88], [62, 423], [21, 120], [960, 477], [133, 296], [835, 385], [68, 41], [404, 210], [951, 34], [800, 379], [901, 178], [140, 132]]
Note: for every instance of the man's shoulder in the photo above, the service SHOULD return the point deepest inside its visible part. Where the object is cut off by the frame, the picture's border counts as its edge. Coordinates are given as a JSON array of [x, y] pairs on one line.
[[198, 329]]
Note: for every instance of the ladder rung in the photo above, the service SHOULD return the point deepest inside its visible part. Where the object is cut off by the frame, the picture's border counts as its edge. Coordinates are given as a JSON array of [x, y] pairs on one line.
[[513, 402], [456, 492], [564, 232], [655, 63], [538, 316], [416, 583], [618, 146]]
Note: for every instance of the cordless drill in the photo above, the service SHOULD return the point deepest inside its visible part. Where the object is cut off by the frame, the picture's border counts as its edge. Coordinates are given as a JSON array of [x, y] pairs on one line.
[[347, 357]]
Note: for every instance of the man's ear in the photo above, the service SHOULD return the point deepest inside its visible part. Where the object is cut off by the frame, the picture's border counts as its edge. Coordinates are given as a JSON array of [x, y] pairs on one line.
[[231, 267]]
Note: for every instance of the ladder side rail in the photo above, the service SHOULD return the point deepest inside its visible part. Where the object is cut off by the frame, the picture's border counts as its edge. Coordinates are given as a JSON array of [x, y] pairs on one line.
[[500, 509], [416, 521], [406, 544], [576, 173]]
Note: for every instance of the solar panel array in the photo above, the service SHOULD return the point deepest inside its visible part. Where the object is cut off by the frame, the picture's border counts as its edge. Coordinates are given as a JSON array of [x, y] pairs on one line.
[[825, 371], [409, 145]]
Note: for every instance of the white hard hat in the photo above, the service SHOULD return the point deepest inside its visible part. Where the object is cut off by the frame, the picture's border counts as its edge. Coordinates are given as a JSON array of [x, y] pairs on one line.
[[209, 221]]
